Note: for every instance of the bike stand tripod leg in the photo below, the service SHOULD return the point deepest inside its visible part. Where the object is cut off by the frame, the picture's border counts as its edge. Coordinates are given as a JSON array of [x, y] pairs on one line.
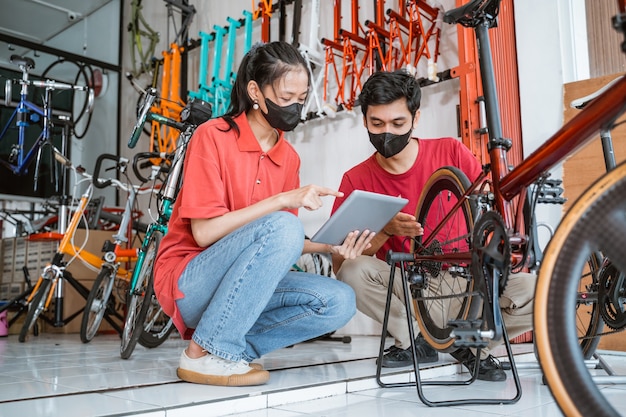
[[611, 377], [598, 362], [418, 383]]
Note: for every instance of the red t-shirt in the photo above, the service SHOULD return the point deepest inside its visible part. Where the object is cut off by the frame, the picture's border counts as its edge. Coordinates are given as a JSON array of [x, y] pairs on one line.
[[433, 154], [223, 172]]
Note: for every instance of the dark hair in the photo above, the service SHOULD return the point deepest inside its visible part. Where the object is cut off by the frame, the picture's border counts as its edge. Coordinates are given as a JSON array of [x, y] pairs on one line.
[[385, 87], [265, 64]]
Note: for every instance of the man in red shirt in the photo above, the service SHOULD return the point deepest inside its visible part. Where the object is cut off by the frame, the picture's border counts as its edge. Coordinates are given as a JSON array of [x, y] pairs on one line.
[[401, 166]]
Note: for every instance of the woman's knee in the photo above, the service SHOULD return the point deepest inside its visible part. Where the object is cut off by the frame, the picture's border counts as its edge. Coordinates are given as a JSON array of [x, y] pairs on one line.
[[342, 301], [286, 227]]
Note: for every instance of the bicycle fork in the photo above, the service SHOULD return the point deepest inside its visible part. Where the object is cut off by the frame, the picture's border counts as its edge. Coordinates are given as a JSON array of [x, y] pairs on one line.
[[51, 273]]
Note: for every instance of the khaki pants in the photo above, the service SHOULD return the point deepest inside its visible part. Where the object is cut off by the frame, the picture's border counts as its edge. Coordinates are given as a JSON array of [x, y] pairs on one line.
[[369, 277]]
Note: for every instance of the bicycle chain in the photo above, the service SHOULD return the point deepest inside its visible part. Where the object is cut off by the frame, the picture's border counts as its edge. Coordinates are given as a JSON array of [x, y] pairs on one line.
[[602, 334]]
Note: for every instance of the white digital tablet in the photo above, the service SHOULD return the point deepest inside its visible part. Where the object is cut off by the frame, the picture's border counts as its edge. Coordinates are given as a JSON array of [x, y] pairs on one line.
[[362, 210]]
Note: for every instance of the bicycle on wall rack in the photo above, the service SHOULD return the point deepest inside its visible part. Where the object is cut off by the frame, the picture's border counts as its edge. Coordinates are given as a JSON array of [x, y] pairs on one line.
[[26, 111], [475, 234], [146, 322]]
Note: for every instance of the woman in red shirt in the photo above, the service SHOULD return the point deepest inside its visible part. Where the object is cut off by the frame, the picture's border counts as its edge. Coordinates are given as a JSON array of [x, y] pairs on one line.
[[223, 269]]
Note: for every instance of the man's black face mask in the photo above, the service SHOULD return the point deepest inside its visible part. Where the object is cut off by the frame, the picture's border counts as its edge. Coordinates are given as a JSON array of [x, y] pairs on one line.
[[389, 144]]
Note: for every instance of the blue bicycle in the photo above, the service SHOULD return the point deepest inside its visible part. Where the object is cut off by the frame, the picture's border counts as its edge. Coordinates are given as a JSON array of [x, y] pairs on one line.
[[26, 113]]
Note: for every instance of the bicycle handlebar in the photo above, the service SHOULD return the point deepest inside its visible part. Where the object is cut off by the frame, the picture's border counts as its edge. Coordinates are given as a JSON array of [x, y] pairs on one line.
[[119, 162], [97, 182], [146, 115], [54, 85], [146, 156], [143, 115]]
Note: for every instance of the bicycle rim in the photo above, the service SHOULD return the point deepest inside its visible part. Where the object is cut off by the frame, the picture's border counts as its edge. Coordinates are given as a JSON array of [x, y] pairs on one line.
[[588, 319], [145, 264], [35, 308], [444, 189], [97, 303], [595, 223], [157, 326]]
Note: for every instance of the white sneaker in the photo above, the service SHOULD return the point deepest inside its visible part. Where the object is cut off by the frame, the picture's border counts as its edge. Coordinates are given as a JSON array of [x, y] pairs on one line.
[[213, 370]]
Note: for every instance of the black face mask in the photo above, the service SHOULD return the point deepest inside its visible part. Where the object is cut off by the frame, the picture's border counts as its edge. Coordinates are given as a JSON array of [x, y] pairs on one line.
[[388, 144], [283, 118]]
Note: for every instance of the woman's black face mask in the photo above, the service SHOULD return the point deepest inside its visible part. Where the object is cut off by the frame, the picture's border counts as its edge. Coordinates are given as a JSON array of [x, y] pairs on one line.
[[389, 144], [283, 118]]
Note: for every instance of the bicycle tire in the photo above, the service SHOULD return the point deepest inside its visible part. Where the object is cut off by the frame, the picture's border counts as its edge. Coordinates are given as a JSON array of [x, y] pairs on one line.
[[440, 193], [97, 303], [593, 224], [157, 326], [136, 296], [588, 318], [35, 308]]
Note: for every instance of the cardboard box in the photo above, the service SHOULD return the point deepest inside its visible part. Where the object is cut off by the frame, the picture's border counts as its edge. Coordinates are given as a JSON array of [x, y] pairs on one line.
[[36, 255], [73, 302], [92, 242]]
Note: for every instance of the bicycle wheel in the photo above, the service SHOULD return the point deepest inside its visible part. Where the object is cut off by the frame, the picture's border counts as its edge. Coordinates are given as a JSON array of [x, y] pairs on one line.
[[157, 325], [594, 224], [137, 295], [97, 301], [444, 293], [589, 321], [35, 308]]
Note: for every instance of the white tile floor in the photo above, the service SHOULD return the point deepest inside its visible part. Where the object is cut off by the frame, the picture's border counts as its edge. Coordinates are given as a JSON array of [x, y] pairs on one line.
[[57, 375]]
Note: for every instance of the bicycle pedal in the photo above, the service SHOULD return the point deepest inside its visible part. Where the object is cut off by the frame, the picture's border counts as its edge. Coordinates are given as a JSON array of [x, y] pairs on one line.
[[468, 334]]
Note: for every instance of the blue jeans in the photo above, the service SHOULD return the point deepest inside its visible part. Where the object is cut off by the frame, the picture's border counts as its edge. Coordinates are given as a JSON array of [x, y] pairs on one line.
[[243, 301]]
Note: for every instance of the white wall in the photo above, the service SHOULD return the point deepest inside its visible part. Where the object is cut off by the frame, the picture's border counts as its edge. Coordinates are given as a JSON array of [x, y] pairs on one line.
[[552, 50]]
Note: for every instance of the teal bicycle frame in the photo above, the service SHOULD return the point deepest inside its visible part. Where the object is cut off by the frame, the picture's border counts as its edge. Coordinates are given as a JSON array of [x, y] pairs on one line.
[[216, 88]]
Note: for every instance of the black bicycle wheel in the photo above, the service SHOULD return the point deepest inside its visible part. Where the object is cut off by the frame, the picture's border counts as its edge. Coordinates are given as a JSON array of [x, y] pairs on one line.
[[589, 321], [133, 325], [594, 224], [444, 293], [35, 308], [157, 326], [97, 302]]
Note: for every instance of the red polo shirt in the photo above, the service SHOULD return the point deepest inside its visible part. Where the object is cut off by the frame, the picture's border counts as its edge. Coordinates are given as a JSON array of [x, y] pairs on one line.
[[223, 172], [432, 155]]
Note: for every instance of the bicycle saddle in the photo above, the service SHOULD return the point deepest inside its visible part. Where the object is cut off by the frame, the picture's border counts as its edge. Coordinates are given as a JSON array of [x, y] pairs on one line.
[[22, 61], [473, 13]]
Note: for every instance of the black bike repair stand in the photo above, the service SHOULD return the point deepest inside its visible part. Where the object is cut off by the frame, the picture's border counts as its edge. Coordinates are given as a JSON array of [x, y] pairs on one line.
[[418, 382]]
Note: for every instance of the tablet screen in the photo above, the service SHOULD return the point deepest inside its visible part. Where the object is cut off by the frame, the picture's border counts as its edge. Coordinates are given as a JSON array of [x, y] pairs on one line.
[[362, 210]]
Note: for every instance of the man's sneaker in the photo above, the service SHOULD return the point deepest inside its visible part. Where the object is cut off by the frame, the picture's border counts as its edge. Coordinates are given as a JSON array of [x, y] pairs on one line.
[[213, 370], [397, 358], [489, 368]]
